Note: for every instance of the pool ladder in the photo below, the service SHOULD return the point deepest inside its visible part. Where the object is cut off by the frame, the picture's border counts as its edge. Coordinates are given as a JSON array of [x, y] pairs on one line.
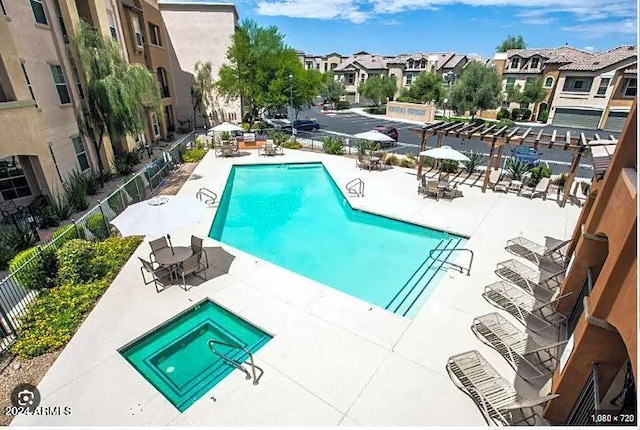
[[355, 187], [457, 266], [210, 196], [236, 364]]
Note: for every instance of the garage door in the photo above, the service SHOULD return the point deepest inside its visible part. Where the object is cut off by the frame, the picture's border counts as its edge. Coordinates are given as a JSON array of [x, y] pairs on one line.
[[577, 118], [616, 121]]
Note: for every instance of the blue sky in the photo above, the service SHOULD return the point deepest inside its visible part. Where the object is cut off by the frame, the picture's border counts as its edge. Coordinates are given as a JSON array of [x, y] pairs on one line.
[[465, 26]]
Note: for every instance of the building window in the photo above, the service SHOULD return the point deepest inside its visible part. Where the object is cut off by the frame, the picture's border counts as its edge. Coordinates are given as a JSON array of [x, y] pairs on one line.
[[163, 83], [13, 182], [155, 125], [535, 62], [529, 81], [112, 24], [362, 77], [76, 76], [577, 85], [515, 63], [423, 64], [511, 81], [548, 83], [318, 66], [333, 65], [26, 77], [137, 31], [604, 84], [154, 35], [38, 11], [351, 78], [410, 64], [408, 79], [81, 153], [61, 84], [63, 29], [631, 86]]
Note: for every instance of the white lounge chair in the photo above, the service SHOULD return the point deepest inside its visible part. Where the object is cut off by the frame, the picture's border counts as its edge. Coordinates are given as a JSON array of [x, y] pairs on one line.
[[496, 398], [528, 278], [532, 361], [496, 184], [539, 190], [553, 251], [530, 311]]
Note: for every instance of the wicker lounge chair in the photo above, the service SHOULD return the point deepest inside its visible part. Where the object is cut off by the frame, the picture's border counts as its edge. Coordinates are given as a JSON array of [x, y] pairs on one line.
[[528, 278], [534, 314], [496, 184], [532, 361], [539, 190], [553, 252], [496, 398]]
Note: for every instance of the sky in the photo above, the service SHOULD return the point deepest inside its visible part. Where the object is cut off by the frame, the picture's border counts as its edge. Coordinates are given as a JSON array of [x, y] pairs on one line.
[[390, 27]]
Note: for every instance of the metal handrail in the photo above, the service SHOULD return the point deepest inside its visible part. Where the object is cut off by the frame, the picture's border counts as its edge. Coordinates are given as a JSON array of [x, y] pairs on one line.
[[468, 269], [234, 363], [211, 196], [352, 184]]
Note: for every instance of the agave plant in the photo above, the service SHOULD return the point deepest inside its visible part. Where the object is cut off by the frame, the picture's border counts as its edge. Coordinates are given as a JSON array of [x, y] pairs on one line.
[[61, 206], [18, 236], [75, 190], [517, 168], [475, 159]]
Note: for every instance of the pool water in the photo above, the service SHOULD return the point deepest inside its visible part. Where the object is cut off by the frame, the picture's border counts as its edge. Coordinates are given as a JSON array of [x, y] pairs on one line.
[[175, 358], [294, 215]]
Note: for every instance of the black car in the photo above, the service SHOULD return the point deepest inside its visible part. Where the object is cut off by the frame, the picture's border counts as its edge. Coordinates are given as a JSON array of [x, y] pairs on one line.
[[303, 125]]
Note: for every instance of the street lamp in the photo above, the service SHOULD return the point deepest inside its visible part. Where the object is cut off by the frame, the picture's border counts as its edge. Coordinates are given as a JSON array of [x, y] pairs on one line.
[[291, 97]]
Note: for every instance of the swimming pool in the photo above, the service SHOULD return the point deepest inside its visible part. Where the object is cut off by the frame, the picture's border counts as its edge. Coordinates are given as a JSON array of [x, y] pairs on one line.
[[294, 215], [176, 358]]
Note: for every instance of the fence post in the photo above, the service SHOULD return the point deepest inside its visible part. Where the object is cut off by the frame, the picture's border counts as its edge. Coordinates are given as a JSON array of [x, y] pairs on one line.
[[44, 263], [75, 226], [104, 218]]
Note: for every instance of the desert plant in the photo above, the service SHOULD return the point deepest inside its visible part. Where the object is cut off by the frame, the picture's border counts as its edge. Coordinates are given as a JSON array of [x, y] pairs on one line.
[[19, 235], [75, 190], [47, 217], [290, 144], [475, 160], [449, 166], [536, 175], [428, 162], [279, 138], [194, 155], [97, 225], [407, 162], [544, 116], [392, 160], [198, 143], [366, 147], [333, 145], [503, 113], [61, 206], [35, 268], [91, 182], [516, 168]]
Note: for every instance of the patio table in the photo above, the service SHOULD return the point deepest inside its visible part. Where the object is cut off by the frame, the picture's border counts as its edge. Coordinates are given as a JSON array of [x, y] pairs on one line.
[[169, 259]]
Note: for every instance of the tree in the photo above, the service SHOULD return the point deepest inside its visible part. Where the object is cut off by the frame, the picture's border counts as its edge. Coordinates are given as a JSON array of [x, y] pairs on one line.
[[331, 89], [511, 42], [117, 94], [202, 90], [378, 89], [425, 88], [533, 92], [260, 64], [477, 88]]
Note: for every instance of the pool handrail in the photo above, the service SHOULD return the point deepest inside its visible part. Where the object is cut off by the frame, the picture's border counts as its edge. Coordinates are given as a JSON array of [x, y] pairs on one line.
[[256, 379]]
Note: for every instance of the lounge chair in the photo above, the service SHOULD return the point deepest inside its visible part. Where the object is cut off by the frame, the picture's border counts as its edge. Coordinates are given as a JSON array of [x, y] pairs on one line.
[[156, 245], [528, 278], [525, 307], [191, 266], [196, 248], [539, 190], [553, 251], [532, 361], [451, 190], [496, 398], [267, 149], [160, 276], [496, 184]]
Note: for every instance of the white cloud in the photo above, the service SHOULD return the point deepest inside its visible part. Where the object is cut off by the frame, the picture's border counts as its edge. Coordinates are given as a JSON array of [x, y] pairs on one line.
[[319, 9], [589, 48], [599, 29]]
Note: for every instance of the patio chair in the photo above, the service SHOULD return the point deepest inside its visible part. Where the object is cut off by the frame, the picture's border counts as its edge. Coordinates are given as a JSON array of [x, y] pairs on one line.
[[156, 245], [528, 278], [553, 251], [539, 190], [530, 360], [159, 275], [432, 189], [497, 399], [450, 192], [227, 150], [363, 162], [422, 186], [496, 184], [196, 248], [191, 266], [525, 307]]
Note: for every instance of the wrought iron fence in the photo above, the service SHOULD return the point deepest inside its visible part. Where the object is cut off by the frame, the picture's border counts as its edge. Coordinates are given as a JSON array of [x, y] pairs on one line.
[[22, 284], [578, 307], [588, 403]]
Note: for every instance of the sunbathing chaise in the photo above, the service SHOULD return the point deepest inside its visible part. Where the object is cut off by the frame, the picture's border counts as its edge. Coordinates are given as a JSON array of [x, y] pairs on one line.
[[540, 189], [496, 184], [530, 279], [553, 251]]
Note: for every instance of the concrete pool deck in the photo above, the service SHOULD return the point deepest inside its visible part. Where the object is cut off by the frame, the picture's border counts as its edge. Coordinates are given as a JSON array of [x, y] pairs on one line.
[[334, 359]]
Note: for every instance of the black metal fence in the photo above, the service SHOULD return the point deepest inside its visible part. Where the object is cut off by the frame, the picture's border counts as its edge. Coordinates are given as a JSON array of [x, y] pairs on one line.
[[37, 272], [585, 411], [578, 307]]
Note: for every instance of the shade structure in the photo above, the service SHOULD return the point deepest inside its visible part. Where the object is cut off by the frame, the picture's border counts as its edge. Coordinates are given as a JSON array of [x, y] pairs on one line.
[[159, 216], [374, 136], [445, 153], [225, 126]]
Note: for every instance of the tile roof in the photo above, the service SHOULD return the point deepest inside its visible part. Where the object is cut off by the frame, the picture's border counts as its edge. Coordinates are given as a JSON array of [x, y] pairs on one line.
[[632, 70], [604, 59], [562, 54], [367, 61], [453, 61], [442, 57]]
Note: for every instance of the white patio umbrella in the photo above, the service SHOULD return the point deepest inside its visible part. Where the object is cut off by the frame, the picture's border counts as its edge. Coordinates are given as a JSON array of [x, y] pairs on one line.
[[159, 216], [374, 136], [225, 126], [444, 153]]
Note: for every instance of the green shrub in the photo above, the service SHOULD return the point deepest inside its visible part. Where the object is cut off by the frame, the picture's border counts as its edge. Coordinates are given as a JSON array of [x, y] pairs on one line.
[[66, 233], [392, 160], [75, 190], [516, 168], [428, 162], [449, 166], [47, 217], [194, 155], [515, 112], [290, 144], [366, 147], [6, 254], [504, 122], [61, 206], [537, 173], [475, 160], [124, 162], [377, 110], [544, 116], [74, 262], [91, 182], [97, 225], [333, 145], [503, 113], [198, 143], [40, 270], [407, 162], [342, 104], [279, 138]]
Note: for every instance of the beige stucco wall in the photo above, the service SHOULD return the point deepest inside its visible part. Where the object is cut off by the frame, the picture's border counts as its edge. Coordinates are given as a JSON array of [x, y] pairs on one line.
[[198, 33], [412, 111]]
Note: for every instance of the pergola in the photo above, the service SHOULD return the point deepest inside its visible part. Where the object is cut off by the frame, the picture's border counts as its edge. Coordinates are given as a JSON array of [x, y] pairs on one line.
[[496, 138]]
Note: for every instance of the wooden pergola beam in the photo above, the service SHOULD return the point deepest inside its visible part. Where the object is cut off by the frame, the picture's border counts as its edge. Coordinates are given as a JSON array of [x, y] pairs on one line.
[[467, 126], [484, 132], [501, 131], [512, 133], [423, 143], [583, 139], [487, 172], [474, 130], [575, 162]]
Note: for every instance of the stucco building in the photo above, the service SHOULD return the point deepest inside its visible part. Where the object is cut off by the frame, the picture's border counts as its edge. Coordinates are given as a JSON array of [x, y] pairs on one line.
[[356, 69], [406, 67], [199, 31], [321, 63]]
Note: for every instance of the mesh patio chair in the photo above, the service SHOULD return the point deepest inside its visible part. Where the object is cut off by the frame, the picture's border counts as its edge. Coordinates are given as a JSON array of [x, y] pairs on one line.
[[156, 245], [160, 276], [536, 315], [191, 266], [497, 399], [532, 361], [528, 278], [196, 248], [432, 189], [553, 252], [539, 190]]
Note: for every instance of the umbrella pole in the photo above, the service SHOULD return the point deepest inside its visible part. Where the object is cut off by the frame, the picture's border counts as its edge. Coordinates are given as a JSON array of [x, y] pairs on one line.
[[170, 244]]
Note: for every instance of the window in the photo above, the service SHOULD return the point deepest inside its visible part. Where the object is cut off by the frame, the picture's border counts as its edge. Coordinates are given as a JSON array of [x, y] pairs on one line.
[[137, 31], [362, 77], [535, 62], [351, 78], [515, 63], [154, 123], [409, 80], [325, 67], [577, 85], [112, 24], [63, 29], [529, 81], [423, 64], [548, 83], [81, 153], [604, 84], [61, 84], [410, 64], [333, 65], [318, 66], [76, 76], [24, 70], [13, 182], [631, 86], [38, 11], [154, 35], [511, 81]]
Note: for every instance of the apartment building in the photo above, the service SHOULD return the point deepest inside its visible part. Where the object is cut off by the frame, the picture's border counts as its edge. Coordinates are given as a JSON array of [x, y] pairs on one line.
[[199, 31], [356, 69], [406, 67], [321, 63], [598, 368], [597, 91]]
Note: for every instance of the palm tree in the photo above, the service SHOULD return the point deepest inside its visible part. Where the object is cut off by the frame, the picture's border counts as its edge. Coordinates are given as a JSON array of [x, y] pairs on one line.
[[202, 90], [118, 95]]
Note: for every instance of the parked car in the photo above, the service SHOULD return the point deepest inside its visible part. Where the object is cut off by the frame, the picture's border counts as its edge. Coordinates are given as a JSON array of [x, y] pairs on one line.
[[527, 155], [392, 132], [303, 125]]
